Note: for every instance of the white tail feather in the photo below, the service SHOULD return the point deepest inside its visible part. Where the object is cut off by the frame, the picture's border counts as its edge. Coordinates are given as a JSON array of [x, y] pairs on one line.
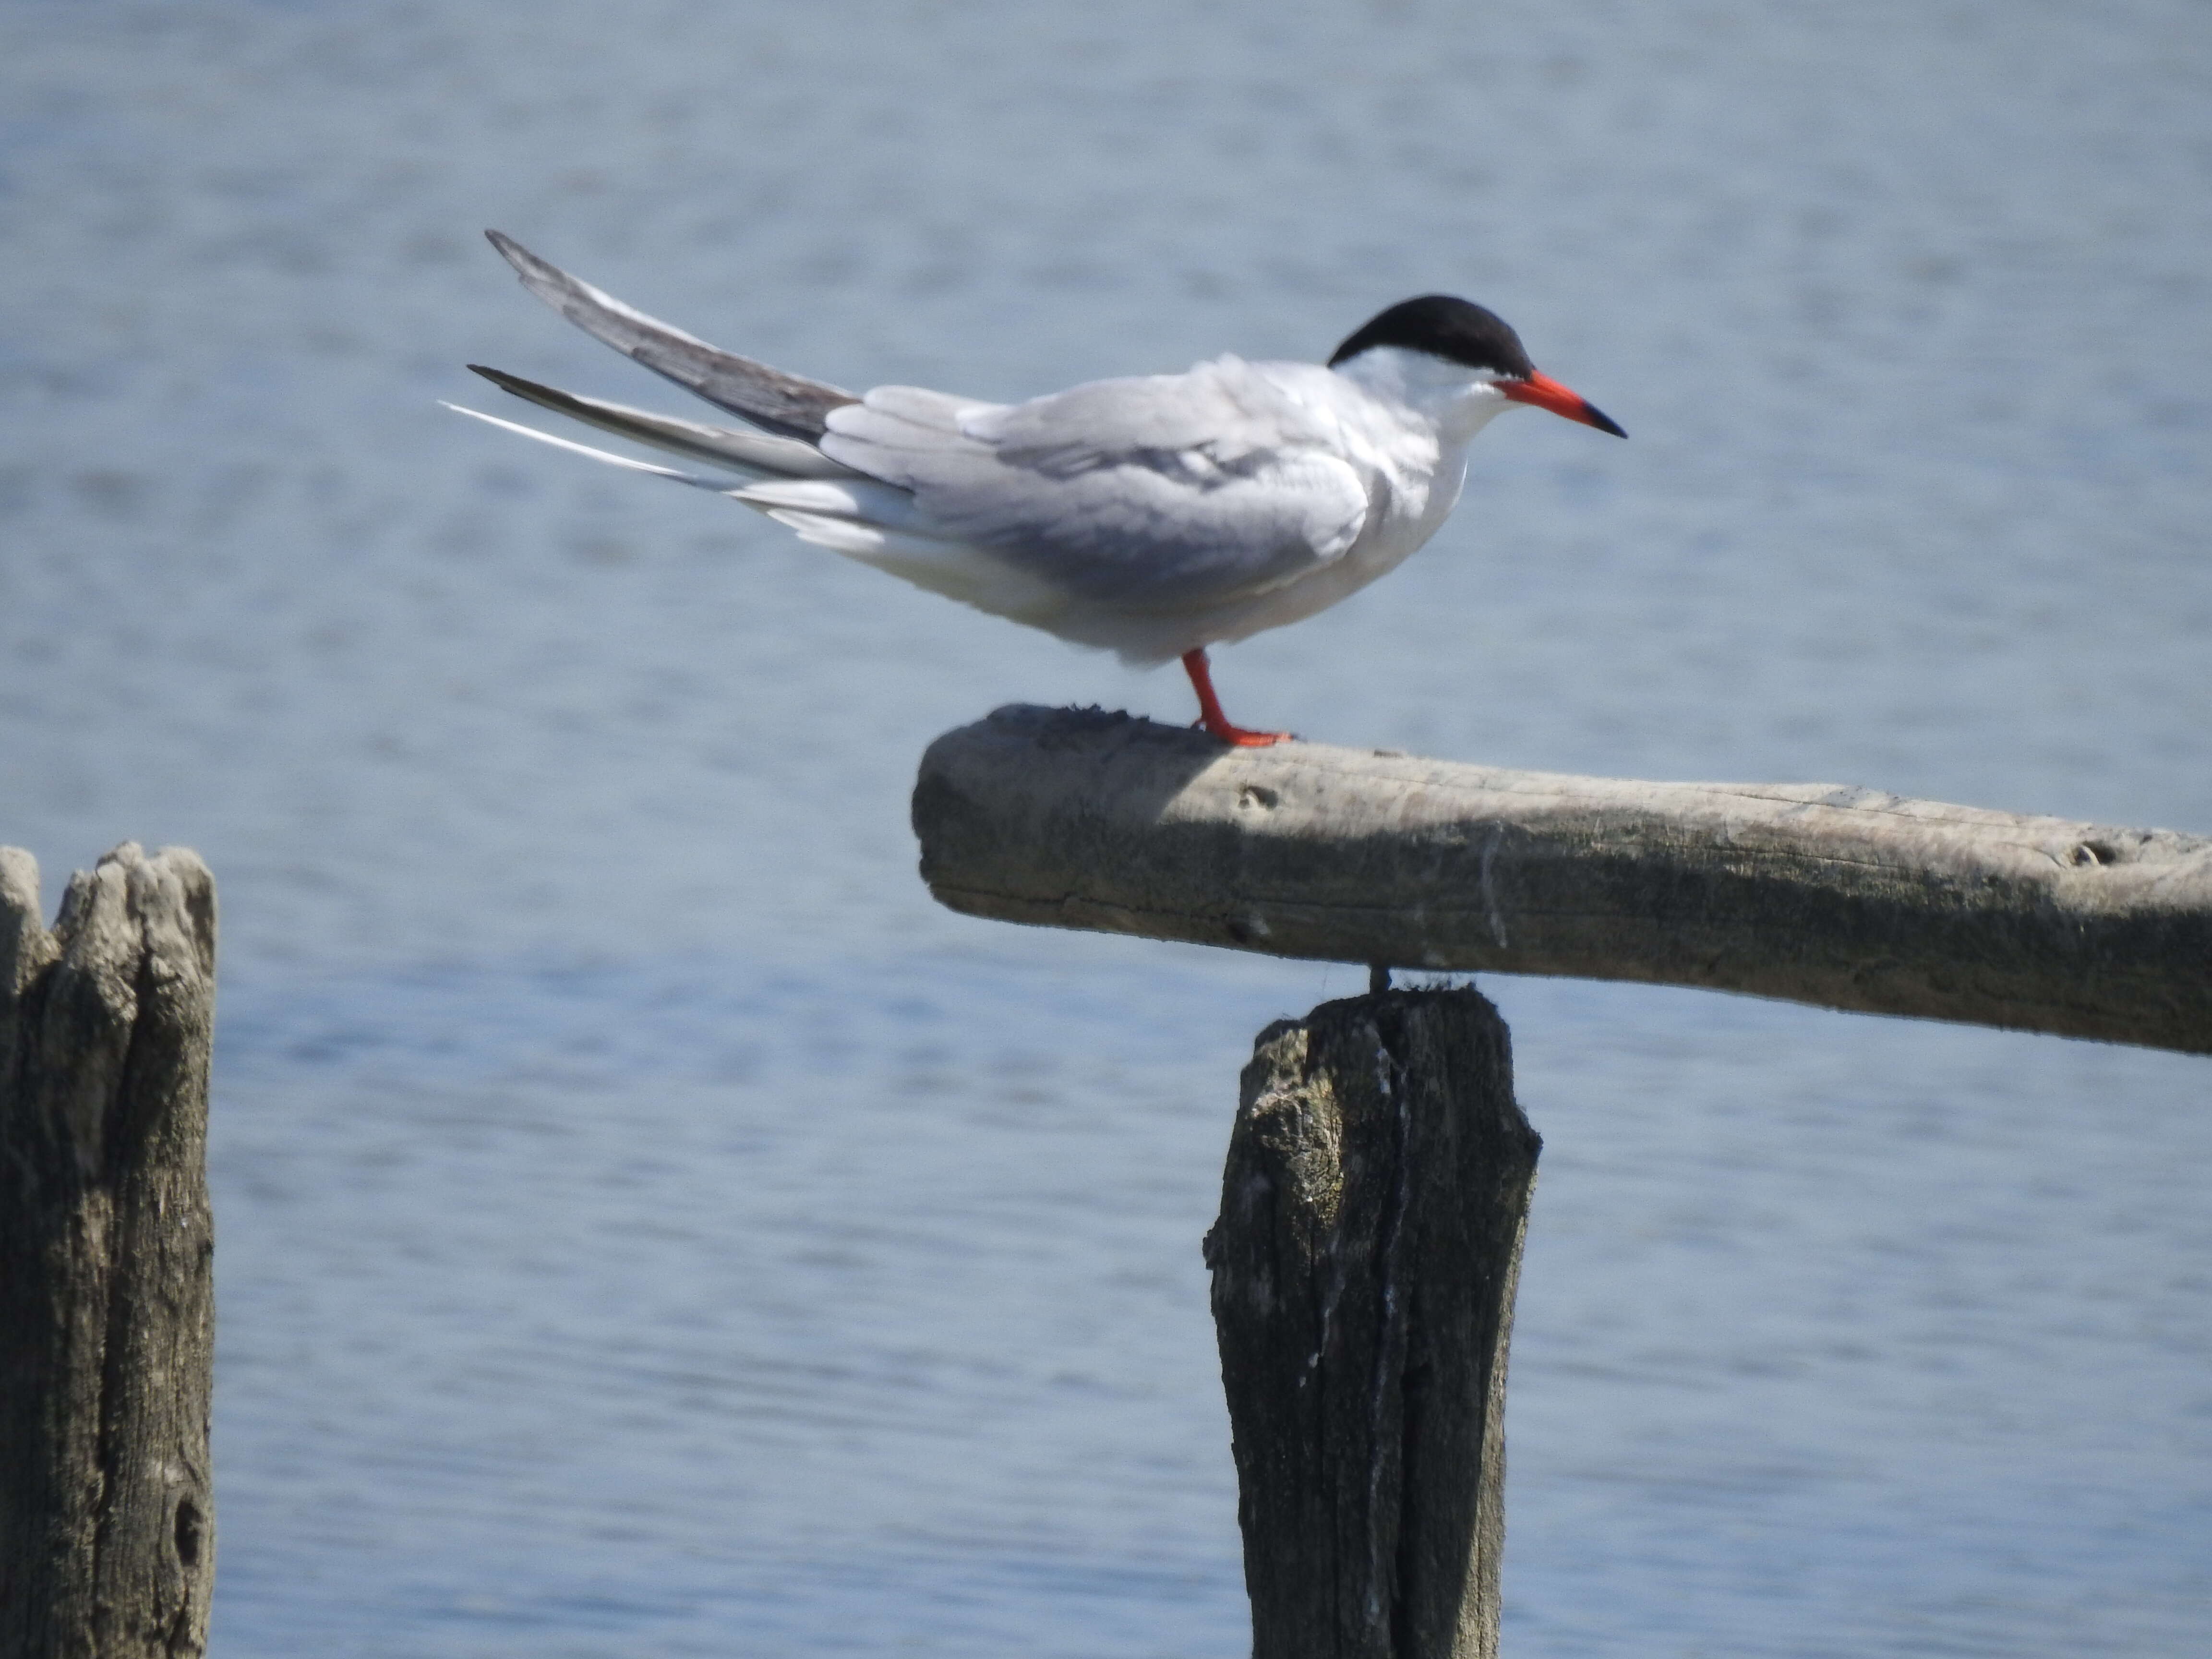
[[719, 486]]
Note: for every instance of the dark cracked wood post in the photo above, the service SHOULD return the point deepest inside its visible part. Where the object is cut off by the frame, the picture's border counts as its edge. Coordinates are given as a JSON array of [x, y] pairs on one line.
[[106, 1291], [1365, 1265]]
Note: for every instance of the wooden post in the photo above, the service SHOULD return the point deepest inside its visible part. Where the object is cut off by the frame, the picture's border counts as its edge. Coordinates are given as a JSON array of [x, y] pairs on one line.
[[1365, 1265], [107, 1301]]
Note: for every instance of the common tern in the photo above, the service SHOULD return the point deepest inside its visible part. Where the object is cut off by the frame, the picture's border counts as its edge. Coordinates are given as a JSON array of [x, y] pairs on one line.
[[1153, 516]]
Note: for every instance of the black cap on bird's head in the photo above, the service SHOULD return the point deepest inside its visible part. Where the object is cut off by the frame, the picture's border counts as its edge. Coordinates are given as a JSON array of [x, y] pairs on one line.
[[1458, 330], [1461, 331]]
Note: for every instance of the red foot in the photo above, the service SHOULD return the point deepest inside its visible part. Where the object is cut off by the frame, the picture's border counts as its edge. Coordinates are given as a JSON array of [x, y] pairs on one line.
[[1239, 737], [1211, 720]]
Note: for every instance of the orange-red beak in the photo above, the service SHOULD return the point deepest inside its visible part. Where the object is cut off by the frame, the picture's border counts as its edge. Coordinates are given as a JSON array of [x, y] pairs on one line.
[[1545, 392]]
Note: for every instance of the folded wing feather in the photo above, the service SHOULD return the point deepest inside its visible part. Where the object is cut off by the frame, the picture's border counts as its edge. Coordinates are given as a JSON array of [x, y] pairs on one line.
[[1144, 493], [757, 452], [786, 404]]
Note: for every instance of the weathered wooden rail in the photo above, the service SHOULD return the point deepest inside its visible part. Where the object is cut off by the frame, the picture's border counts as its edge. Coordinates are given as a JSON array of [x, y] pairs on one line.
[[1379, 1172], [1842, 897], [106, 1288]]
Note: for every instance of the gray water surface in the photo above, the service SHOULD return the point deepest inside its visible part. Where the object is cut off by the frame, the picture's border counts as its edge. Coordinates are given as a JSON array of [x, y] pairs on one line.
[[649, 1226]]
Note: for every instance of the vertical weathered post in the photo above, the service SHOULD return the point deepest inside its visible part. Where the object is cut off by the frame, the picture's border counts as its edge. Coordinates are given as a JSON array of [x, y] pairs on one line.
[[1365, 1265], [106, 1295]]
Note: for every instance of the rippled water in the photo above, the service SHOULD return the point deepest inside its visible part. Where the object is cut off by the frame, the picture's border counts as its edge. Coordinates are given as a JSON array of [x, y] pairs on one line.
[[648, 1225]]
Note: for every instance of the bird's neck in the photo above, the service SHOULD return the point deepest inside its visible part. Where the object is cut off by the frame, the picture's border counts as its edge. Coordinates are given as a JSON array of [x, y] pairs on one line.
[[1456, 402]]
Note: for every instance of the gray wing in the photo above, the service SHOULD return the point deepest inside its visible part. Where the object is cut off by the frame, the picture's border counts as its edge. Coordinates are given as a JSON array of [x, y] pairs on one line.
[[747, 450], [781, 402], [1154, 494]]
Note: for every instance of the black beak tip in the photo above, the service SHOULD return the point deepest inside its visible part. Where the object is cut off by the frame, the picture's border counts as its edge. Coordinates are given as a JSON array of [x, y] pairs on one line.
[[1605, 422]]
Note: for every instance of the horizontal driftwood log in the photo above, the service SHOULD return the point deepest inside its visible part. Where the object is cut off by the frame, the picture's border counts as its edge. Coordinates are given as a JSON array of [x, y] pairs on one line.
[[1837, 896]]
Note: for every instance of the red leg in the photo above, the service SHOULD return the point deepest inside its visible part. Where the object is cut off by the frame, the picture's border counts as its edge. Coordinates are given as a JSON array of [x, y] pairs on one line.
[[1209, 707]]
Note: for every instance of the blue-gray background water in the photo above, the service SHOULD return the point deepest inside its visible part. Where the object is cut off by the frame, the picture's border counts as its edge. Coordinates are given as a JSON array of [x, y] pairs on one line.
[[648, 1225]]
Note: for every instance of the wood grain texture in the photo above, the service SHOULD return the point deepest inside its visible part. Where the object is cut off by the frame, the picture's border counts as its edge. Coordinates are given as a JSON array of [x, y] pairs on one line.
[[107, 1293], [1372, 1213], [1817, 893]]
